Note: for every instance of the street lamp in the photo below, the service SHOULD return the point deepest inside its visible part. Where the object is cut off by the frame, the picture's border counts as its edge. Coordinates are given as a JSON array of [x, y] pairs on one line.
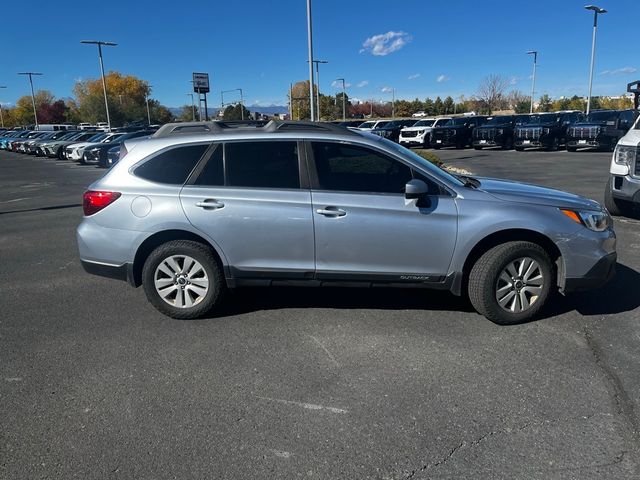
[[100, 43], [596, 11], [1, 119], [193, 108], [33, 97], [318, 62], [310, 45], [146, 98], [533, 83], [344, 110]]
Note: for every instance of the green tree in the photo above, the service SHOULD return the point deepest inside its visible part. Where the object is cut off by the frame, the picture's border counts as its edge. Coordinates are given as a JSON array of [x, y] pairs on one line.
[[235, 112], [428, 107], [438, 107], [188, 113], [544, 104], [448, 105]]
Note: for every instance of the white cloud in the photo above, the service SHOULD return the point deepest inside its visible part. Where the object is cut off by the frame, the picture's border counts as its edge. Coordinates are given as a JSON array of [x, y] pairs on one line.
[[338, 84], [442, 78], [414, 76], [363, 83], [387, 90], [385, 43], [513, 81], [620, 71]]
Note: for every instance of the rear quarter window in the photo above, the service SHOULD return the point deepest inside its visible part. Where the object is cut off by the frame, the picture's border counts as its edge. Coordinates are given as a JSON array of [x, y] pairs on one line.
[[172, 166]]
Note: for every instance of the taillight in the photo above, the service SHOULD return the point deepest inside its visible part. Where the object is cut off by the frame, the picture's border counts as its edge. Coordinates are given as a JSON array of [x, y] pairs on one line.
[[94, 201]]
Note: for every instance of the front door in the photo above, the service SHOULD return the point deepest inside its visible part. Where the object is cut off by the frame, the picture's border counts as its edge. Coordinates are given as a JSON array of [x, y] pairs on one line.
[[366, 229]]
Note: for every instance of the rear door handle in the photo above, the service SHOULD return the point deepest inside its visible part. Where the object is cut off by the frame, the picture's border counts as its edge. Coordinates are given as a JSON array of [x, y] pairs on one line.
[[210, 204], [331, 212]]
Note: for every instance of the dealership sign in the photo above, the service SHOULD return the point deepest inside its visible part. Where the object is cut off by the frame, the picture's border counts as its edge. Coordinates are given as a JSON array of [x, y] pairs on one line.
[[201, 82]]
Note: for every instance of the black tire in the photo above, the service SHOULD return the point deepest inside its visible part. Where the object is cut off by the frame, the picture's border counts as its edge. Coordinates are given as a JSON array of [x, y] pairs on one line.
[[555, 145], [519, 149], [437, 147], [572, 149], [427, 141], [616, 207], [484, 275], [477, 148], [59, 154], [205, 256]]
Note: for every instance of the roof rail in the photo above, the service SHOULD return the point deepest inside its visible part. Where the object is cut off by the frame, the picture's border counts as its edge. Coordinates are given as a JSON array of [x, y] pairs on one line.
[[217, 127]]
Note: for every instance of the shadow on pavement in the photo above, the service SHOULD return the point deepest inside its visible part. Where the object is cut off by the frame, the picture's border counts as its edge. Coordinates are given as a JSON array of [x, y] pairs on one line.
[[37, 209], [618, 296]]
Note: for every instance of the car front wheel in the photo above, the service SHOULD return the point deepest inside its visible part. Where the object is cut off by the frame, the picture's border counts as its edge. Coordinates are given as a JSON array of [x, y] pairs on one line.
[[511, 282], [183, 279]]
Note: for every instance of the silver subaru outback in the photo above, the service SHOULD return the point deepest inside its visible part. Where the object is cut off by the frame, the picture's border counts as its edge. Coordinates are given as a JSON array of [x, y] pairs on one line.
[[200, 208]]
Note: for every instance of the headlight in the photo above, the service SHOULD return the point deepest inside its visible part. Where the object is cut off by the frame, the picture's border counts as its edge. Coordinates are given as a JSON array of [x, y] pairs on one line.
[[625, 155], [421, 132], [598, 221], [500, 131]]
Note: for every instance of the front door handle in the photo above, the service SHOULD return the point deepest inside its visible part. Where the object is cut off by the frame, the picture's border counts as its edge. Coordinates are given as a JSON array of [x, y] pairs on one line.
[[331, 212], [210, 204]]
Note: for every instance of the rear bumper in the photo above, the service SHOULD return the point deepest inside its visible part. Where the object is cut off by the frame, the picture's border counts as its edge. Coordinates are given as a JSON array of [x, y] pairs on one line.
[[122, 272], [598, 275]]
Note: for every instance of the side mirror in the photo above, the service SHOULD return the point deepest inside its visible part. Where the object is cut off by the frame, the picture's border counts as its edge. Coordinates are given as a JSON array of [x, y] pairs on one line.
[[415, 189]]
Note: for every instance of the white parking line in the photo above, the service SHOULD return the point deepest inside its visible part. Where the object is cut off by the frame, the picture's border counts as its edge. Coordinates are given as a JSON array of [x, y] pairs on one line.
[[16, 200]]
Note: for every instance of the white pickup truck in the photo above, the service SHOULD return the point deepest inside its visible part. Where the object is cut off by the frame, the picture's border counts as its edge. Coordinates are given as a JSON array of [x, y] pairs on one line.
[[622, 193], [420, 133]]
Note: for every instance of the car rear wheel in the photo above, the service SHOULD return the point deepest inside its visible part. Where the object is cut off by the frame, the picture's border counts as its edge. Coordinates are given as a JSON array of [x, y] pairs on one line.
[[511, 282], [183, 279]]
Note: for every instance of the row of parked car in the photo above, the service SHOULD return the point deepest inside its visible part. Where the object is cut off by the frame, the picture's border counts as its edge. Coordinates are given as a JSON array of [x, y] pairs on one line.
[[83, 146], [573, 130]]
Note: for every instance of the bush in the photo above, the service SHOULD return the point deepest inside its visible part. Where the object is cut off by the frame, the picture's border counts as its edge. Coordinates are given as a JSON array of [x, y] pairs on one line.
[[432, 157]]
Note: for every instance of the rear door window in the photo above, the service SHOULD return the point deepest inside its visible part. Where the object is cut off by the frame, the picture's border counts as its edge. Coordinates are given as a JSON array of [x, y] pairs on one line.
[[269, 164]]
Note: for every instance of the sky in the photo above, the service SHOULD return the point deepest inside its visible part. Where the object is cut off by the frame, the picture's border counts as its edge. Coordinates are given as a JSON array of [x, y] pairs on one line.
[[419, 48]]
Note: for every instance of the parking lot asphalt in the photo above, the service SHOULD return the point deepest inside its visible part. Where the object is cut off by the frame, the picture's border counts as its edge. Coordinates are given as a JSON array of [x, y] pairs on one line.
[[306, 383]]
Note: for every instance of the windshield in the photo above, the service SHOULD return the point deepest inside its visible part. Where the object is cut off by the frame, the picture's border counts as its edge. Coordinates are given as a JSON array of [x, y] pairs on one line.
[[456, 122], [499, 120], [424, 123], [520, 119], [602, 116], [112, 138], [367, 125], [535, 119], [97, 138]]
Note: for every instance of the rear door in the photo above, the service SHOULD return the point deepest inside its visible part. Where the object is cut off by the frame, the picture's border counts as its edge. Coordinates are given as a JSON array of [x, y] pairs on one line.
[[365, 229], [252, 199]]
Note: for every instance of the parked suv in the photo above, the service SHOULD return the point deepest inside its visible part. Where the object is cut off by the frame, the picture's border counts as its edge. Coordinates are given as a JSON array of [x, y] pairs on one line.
[[497, 131], [457, 132], [545, 130], [201, 207], [392, 129], [600, 129], [622, 192], [420, 133]]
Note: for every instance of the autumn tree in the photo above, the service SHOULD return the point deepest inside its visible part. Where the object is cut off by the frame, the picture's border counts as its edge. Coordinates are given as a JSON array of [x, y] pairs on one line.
[[300, 100], [491, 93], [188, 113]]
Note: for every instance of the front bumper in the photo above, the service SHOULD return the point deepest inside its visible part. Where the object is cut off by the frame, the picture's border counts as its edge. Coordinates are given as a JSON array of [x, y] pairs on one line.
[[486, 142], [418, 140], [626, 188], [603, 271], [587, 143]]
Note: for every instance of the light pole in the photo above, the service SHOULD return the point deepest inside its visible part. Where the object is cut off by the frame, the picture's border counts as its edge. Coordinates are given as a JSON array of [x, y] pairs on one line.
[[310, 45], [100, 43], [533, 83], [318, 62], [146, 98], [344, 109], [393, 102], [596, 11], [1, 119], [193, 108], [33, 97]]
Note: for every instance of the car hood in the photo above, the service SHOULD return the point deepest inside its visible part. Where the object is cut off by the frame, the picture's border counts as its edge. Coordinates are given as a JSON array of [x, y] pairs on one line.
[[594, 124], [538, 125], [631, 139], [510, 191], [497, 125]]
